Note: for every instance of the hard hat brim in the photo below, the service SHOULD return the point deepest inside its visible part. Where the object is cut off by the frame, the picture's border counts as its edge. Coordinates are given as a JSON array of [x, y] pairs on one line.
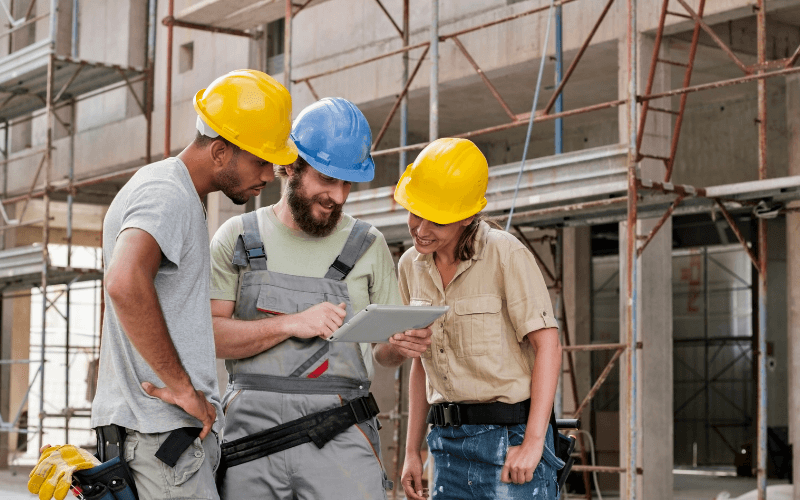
[[365, 172]]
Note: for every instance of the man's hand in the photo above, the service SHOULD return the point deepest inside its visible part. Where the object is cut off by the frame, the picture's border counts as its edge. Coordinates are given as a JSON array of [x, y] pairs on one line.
[[194, 403], [520, 463], [412, 477], [320, 320], [411, 343]]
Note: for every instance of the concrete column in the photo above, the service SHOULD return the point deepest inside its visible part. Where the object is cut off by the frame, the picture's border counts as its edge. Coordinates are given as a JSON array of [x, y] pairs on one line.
[[654, 427], [793, 277], [577, 294]]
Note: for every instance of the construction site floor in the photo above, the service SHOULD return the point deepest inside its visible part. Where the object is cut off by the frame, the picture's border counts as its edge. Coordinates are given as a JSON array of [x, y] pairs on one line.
[[685, 487]]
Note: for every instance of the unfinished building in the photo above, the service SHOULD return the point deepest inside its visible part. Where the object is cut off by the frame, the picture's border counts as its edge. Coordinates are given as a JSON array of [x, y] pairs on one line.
[[660, 148]]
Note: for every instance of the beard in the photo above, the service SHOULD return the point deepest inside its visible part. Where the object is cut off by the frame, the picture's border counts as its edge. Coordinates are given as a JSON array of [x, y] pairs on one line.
[[301, 207], [229, 182]]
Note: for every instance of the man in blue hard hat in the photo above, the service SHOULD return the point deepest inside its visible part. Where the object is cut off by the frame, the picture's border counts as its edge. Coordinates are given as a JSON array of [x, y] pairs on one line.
[[301, 422]]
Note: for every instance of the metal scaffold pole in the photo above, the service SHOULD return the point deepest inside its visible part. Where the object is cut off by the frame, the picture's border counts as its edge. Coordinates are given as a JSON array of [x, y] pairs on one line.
[[631, 318], [287, 47], [404, 103], [433, 123], [761, 25]]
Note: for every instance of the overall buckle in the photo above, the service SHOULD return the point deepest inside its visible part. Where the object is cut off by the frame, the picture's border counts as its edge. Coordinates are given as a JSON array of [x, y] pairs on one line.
[[253, 253]]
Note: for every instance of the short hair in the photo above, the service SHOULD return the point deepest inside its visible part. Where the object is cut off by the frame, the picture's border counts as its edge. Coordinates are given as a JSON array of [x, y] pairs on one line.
[[299, 165], [204, 140]]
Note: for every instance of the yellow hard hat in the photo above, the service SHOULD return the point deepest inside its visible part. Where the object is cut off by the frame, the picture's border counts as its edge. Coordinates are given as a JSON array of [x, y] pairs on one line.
[[446, 183], [253, 111]]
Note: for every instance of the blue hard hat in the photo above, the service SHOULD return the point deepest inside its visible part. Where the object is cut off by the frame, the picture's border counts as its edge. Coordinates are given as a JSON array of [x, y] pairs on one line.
[[333, 136]]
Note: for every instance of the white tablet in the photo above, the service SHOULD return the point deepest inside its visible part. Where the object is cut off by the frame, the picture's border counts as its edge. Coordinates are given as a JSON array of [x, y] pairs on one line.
[[376, 323]]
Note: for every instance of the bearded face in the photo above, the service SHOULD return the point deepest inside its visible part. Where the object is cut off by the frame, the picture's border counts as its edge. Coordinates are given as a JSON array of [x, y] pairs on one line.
[[302, 207]]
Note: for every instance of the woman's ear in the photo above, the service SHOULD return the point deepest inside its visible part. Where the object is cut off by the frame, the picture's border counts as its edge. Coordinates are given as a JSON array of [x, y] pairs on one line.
[[466, 222]]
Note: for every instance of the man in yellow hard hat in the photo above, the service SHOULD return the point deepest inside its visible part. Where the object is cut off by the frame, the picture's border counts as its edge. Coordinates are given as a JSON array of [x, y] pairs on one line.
[[157, 403]]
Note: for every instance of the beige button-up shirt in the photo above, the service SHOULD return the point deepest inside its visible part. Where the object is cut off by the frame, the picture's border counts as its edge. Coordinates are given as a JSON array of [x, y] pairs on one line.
[[478, 351]]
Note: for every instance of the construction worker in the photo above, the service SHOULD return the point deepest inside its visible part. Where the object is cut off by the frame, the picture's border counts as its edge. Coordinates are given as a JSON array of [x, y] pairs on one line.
[[478, 385], [301, 422], [157, 403]]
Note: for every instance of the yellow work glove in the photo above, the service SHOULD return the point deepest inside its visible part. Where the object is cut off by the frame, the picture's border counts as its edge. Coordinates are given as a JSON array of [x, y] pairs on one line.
[[52, 476]]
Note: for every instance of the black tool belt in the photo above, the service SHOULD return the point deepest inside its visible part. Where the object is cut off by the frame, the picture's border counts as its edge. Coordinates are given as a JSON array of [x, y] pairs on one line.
[[456, 414], [112, 479], [318, 428]]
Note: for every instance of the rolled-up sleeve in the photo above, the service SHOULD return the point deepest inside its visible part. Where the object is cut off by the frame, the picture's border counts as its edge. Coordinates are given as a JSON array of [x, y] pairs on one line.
[[528, 302]]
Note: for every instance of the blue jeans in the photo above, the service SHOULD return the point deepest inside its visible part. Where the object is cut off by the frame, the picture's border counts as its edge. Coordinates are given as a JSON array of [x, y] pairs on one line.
[[468, 461]]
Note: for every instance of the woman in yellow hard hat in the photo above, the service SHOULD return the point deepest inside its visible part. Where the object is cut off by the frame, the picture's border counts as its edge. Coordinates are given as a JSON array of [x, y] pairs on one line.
[[488, 380]]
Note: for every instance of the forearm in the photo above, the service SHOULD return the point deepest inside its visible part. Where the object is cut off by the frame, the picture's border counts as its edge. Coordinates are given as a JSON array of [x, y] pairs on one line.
[[387, 355], [238, 339], [139, 313], [417, 408], [544, 378]]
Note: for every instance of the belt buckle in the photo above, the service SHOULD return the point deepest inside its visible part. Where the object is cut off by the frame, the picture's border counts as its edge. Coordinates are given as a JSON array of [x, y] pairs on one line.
[[451, 414]]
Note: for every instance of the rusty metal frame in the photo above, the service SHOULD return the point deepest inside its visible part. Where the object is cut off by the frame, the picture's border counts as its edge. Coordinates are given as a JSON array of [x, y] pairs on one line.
[[517, 120], [399, 99], [759, 72]]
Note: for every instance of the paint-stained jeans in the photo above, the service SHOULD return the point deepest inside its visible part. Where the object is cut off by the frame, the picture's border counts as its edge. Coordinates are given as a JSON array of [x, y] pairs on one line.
[[468, 461]]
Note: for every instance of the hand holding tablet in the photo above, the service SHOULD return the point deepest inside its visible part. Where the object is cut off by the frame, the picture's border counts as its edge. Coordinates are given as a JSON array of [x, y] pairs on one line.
[[377, 322]]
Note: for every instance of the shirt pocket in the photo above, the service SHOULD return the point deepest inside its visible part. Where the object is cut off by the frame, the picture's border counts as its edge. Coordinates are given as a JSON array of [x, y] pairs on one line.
[[477, 324], [422, 302]]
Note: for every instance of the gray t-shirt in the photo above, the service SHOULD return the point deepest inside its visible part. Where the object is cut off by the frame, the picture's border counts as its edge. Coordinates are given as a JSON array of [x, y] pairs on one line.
[[160, 199]]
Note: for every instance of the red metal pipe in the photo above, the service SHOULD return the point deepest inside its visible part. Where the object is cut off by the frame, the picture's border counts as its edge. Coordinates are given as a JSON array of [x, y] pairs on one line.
[[485, 79], [361, 63], [170, 21], [713, 35], [593, 347], [399, 99], [719, 84], [391, 19], [504, 19], [736, 232], [599, 382], [652, 73], [574, 63], [687, 79], [660, 223]]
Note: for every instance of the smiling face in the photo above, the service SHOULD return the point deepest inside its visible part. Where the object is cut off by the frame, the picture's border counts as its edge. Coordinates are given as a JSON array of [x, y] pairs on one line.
[[316, 200], [430, 237], [244, 176]]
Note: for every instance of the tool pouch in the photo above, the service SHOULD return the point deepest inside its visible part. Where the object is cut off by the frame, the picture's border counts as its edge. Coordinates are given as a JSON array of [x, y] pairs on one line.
[[110, 480]]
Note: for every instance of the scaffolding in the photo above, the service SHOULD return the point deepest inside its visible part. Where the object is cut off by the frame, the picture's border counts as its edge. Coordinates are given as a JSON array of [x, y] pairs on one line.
[[37, 81], [586, 187], [582, 188]]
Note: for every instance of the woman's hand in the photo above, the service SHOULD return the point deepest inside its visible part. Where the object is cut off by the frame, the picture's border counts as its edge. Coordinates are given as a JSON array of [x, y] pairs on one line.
[[520, 463], [412, 343], [412, 477]]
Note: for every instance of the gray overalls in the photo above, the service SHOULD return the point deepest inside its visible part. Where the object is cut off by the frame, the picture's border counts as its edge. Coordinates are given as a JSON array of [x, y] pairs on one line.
[[295, 379]]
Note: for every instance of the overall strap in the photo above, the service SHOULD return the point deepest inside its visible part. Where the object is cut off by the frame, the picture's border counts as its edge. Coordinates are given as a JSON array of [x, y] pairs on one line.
[[249, 247], [356, 245]]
